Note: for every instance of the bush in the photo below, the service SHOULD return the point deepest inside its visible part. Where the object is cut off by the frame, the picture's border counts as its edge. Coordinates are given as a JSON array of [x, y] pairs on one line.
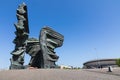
[[118, 62]]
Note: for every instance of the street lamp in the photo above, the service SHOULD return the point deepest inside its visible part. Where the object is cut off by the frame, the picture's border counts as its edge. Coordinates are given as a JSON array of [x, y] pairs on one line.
[[98, 62]]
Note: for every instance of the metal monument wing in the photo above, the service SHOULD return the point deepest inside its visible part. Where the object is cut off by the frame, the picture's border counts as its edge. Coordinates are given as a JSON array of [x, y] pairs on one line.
[[49, 40], [20, 41], [22, 28]]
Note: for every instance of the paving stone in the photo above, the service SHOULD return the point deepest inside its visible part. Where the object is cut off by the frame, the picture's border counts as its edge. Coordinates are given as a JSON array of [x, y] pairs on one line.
[[56, 74]]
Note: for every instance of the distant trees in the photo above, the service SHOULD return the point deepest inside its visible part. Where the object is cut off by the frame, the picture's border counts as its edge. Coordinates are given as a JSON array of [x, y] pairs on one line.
[[118, 62]]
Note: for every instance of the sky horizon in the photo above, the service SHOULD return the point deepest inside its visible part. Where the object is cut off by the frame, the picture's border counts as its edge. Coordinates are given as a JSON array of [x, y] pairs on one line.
[[91, 28]]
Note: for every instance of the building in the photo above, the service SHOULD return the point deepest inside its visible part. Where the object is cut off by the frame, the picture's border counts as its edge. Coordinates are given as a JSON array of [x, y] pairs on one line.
[[65, 67], [101, 63]]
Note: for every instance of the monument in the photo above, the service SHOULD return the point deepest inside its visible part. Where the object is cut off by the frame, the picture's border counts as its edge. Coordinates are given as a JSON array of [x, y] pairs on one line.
[[41, 50]]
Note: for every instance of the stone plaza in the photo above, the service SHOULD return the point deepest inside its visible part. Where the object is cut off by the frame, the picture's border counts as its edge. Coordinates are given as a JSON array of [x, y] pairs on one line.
[[60, 74]]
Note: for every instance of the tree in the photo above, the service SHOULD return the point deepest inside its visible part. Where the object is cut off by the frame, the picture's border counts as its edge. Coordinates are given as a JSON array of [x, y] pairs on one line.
[[118, 62]]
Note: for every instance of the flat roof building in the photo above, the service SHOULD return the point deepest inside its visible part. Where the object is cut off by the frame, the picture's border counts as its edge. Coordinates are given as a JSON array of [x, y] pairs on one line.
[[101, 63]]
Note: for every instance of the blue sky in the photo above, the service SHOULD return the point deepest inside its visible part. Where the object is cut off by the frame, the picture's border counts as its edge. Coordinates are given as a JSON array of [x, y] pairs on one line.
[[85, 24]]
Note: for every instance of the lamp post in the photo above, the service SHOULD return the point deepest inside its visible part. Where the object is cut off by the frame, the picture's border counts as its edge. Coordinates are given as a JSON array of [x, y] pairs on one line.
[[98, 63]]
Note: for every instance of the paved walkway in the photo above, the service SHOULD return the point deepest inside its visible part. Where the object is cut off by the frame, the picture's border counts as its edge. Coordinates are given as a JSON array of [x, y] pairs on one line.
[[58, 74], [116, 71]]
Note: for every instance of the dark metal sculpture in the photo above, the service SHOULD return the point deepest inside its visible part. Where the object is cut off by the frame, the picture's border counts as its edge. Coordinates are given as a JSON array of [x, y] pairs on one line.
[[41, 51], [22, 31], [49, 40]]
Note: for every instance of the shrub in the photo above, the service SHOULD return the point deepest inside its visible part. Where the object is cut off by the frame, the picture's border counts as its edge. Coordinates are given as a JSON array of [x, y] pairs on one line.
[[118, 62]]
